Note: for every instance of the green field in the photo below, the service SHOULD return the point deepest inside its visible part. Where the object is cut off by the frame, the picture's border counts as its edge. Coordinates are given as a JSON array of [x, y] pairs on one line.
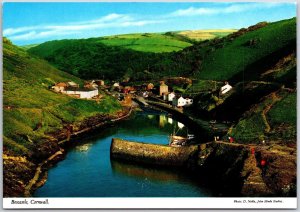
[[28, 102], [147, 42], [200, 35]]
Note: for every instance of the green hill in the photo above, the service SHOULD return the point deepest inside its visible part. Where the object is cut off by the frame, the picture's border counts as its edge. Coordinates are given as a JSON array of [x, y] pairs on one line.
[[28, 101], [243, 54], [32, 113], [147, 42], [87, 59], [26, 47], [243, 49]]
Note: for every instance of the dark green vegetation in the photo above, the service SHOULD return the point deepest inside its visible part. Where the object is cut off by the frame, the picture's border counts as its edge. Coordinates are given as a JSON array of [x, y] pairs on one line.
[[241, 54], [32, 114], [88, 59], [273, 119]]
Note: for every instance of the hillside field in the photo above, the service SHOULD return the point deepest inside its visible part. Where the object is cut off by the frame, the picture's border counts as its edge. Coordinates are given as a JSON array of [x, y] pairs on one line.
[[200, 35]]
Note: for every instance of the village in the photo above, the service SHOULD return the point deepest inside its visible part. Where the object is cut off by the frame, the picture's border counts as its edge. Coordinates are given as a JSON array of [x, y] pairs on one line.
[[140, 94], [124, 92]]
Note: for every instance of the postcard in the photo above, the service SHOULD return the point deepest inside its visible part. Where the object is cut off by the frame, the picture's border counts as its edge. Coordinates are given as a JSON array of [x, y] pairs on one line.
[[150, 105]]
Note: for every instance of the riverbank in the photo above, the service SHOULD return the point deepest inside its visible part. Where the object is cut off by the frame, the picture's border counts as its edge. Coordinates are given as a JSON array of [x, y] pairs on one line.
[[24, 175]]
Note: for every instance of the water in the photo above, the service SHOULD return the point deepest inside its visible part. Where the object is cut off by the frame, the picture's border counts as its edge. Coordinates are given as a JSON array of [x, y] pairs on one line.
[[87, 170]]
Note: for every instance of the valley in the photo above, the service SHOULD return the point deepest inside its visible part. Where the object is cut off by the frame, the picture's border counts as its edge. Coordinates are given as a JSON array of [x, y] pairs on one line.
[[255, 65]]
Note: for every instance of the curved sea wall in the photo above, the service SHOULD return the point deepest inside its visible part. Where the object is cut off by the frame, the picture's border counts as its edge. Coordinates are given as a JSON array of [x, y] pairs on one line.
[[152, 154]]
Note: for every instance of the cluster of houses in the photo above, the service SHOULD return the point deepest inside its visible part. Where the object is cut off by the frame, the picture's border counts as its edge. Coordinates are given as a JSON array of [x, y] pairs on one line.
[[89, 91], [175, 99], [179, 100], [123, 88]]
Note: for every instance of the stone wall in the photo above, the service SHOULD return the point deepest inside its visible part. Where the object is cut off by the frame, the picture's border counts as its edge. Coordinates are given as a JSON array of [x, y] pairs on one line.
[[152, 154]]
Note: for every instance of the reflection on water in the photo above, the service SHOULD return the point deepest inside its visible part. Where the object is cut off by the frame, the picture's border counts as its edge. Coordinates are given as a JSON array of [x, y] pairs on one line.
[[162, 121], [87, 170], [137, 171]]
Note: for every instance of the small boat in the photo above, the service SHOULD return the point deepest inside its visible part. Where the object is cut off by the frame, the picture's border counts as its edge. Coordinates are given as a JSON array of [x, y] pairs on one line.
[[213, 121], [190, 136], [83, 148]]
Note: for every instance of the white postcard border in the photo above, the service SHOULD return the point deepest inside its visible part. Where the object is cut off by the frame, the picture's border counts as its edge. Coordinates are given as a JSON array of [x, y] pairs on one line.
[[151, 203]]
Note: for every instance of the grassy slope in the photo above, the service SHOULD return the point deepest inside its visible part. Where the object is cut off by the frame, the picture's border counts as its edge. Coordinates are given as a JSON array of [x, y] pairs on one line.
[[147, 42], [26, 47], [273, 118], [223, 63], [25, 91]]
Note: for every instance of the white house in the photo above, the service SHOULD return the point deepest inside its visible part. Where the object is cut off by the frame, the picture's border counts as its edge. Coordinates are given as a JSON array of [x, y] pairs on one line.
[[165, 96], [82, 93], [224, 89], [181, 102], [189, 101], [180, 125], [171, 96], [116, 84]]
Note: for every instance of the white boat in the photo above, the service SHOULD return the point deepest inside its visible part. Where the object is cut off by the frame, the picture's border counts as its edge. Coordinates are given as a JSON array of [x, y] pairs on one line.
[[83, 148], [180, 140], [176, 140]]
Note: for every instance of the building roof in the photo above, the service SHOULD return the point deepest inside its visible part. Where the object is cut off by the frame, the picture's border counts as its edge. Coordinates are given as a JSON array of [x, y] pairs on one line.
[[80, 89], [72, 83], [61, 84]]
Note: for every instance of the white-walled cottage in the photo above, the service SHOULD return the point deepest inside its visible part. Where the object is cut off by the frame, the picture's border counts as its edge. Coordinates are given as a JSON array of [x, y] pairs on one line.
[[181, 102], [224, 89], [171, 96], [82, 93]]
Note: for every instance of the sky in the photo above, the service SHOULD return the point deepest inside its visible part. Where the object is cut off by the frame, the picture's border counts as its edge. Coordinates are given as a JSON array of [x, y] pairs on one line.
[[37, 22]]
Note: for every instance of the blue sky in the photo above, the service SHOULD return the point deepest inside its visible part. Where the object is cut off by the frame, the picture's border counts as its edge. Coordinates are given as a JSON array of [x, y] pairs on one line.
[[36, 22]]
